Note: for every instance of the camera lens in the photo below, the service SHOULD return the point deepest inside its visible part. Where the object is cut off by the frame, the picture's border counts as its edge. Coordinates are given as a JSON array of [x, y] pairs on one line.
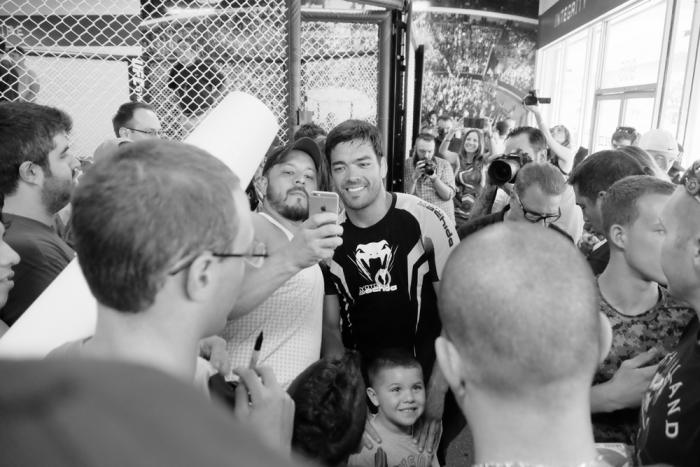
[[503, 171]]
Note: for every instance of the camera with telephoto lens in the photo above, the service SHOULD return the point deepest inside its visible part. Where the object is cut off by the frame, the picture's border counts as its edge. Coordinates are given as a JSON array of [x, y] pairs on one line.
[[505, 168], [429, 167], [532, 99]]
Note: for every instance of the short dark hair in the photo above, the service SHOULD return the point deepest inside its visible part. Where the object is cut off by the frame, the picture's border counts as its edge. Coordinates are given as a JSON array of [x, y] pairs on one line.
[[125, 113], [620, 201], [425, 136], [542, 174], [310, 130], [626, 132], [142, 210], [534, 136], [389, 358], [599, 171], [444, 117], [329, 409], [644, 158], [27, 133], [351, 130], [502, 127]]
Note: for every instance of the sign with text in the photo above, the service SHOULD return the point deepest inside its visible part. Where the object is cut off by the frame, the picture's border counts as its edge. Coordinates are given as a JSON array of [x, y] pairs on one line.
[[567, 15]]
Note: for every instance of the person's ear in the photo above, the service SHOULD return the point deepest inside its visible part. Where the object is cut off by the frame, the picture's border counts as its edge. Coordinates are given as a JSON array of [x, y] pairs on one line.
[[617, 235], [605, 338], [696, 254], [451, 365], [30, 172], [123, 132], [262, 184], [200, 280], [382, 166], [371, 393]]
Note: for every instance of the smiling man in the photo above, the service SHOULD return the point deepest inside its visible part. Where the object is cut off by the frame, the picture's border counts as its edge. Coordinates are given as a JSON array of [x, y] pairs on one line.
[[388, 268], [37, 176], [286, 293]]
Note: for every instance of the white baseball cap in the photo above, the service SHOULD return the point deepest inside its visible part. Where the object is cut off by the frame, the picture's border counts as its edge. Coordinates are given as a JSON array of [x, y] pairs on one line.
[[659, 141]]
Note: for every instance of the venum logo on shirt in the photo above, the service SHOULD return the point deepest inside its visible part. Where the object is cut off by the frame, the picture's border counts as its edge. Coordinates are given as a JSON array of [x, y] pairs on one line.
[[374, 262]]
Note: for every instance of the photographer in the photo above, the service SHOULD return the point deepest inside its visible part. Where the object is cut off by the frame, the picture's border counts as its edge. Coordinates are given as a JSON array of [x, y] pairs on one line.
[[429, 177]]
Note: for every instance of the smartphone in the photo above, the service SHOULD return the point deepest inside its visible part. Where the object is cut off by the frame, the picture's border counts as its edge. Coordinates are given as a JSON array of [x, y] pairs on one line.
[[323, 201]]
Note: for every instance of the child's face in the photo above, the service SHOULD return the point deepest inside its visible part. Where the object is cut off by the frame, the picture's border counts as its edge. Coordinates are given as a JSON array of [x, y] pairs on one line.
[[400, 395]]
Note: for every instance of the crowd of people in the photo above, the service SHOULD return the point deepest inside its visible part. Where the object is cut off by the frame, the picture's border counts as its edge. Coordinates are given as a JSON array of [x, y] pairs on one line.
[[369, 334], [514, 59], [465, 61]]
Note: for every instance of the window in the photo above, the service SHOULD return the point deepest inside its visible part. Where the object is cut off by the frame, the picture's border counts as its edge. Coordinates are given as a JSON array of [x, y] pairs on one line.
[[633, 47]]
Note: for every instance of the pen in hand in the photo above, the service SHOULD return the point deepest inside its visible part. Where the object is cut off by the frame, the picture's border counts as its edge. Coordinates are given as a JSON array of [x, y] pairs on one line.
[[256, 351]]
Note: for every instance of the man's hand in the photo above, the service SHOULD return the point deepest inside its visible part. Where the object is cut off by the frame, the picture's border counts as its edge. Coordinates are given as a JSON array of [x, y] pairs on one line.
[[213, 348], [631, 380], [429, 428], [316, 241], [370, 436], [264, 407]]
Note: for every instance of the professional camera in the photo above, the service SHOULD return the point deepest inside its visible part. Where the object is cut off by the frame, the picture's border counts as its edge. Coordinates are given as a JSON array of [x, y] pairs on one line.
[[532, 99], [505, 168], [429, 167]]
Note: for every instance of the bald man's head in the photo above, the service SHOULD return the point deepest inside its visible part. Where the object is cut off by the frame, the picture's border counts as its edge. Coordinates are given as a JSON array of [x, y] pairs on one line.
[[519, 305]]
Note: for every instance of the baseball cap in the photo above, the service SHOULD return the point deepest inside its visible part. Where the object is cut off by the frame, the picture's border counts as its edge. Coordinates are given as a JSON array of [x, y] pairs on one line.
[[108, 147], [660, 141], [305, 144]]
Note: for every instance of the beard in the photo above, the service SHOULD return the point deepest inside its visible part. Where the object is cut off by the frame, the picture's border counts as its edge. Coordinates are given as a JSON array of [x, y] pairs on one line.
[[295, 212], [55, 194]]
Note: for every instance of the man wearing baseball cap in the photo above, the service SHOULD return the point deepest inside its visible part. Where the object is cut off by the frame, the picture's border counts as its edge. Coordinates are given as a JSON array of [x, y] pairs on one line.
[[670, 416], [662, 146], [286, 293]]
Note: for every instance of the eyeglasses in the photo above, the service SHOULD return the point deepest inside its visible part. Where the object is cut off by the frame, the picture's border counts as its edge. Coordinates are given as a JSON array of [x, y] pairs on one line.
[[691, 180], [145, 132], [254, 258], [535, 217]]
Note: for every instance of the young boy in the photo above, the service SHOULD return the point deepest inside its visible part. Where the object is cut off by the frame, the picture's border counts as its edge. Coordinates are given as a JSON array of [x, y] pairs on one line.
[[396, 388]]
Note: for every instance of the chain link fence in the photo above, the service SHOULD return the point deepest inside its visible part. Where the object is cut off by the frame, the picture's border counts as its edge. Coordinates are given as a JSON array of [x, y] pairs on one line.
[[90, 56], [339, 71]]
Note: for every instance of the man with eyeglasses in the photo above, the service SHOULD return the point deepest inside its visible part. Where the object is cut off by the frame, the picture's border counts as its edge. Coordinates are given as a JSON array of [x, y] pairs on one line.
[[136, 121], [624, 136], [536, 199], [670, 417], [286, 294], [164, 257]]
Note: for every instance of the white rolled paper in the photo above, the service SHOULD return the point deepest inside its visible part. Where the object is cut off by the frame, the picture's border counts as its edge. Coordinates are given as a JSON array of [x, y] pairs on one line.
[[238, 131]]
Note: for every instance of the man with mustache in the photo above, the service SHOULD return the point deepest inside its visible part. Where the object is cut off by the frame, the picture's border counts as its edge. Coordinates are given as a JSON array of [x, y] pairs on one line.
[[286, 293], [37, 176]]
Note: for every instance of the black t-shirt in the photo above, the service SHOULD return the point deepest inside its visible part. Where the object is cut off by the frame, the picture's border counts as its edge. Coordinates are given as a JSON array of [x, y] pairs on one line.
[[43, 255], [384, 276], [669, 423], [196, 84], [598, 259]]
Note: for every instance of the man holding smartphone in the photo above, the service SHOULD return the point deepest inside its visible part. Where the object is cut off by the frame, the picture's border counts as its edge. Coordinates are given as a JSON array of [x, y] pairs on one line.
[[388, 268], [286, 292]]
